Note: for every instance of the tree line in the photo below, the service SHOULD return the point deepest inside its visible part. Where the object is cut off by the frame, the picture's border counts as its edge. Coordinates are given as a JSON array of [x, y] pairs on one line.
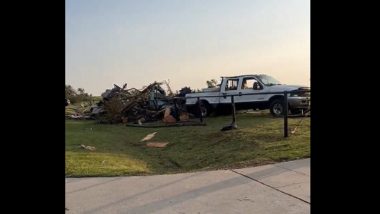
[[77, 95]]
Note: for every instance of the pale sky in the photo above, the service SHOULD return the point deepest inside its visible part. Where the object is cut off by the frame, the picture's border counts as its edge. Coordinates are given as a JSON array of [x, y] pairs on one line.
[[185, 41]]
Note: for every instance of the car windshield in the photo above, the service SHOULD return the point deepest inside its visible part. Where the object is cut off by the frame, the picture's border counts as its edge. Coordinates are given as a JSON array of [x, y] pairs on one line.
[[268, 80]]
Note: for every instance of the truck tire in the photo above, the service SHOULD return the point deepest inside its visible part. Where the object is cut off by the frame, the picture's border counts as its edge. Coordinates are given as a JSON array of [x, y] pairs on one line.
[[205, 109], [277, 107]]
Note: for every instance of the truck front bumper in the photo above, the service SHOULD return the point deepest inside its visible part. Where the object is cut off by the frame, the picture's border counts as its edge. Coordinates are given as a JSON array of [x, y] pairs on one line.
[[299, 102]]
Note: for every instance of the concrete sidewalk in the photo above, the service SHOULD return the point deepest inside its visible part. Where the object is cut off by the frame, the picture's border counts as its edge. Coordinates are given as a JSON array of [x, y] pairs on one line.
[[276, 189]]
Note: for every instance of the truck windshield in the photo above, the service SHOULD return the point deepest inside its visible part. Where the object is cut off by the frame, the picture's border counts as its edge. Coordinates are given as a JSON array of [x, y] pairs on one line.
[[268, 80]]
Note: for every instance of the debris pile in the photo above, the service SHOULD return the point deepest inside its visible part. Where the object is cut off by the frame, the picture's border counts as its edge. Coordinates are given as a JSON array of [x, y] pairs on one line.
[[152, 103], [78, 112]]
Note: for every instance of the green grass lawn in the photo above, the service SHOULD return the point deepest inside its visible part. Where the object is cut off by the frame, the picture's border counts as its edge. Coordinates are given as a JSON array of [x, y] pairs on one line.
[[258, 140]]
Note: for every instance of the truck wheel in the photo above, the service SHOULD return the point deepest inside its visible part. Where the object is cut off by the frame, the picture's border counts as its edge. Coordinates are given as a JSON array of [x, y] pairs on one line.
[[205, 109], [277, 108]]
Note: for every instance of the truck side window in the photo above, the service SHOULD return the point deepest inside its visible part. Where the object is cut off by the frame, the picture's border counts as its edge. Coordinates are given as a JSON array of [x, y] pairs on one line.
[[232, 84], [250, 83]]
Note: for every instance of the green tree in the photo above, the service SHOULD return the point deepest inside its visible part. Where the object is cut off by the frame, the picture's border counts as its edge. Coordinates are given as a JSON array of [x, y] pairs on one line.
[[81, 91], [69, 91], [77, 96], [184, 91]]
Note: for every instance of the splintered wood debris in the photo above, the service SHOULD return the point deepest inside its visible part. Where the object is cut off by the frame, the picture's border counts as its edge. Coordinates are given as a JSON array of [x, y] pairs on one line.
[[122, 105], [91, 148], [154, 144], [148, 137], [157, 144]]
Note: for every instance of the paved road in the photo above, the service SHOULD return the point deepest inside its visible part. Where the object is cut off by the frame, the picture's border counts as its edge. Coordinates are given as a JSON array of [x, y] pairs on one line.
[[276, 189]]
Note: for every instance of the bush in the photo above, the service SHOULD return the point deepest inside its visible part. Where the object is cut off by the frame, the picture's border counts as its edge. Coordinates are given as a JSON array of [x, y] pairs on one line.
[[77, 96], [184, 91]]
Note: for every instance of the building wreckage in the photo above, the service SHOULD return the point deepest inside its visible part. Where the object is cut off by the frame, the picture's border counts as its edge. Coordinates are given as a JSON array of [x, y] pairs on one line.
[[152, 103]]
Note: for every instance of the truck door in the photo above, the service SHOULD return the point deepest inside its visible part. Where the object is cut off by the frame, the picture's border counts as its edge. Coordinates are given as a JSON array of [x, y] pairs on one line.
[[250, 85]]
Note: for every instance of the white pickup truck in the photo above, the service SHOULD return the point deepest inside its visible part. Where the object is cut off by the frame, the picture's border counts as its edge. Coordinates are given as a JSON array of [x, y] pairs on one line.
[[247, 84]]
